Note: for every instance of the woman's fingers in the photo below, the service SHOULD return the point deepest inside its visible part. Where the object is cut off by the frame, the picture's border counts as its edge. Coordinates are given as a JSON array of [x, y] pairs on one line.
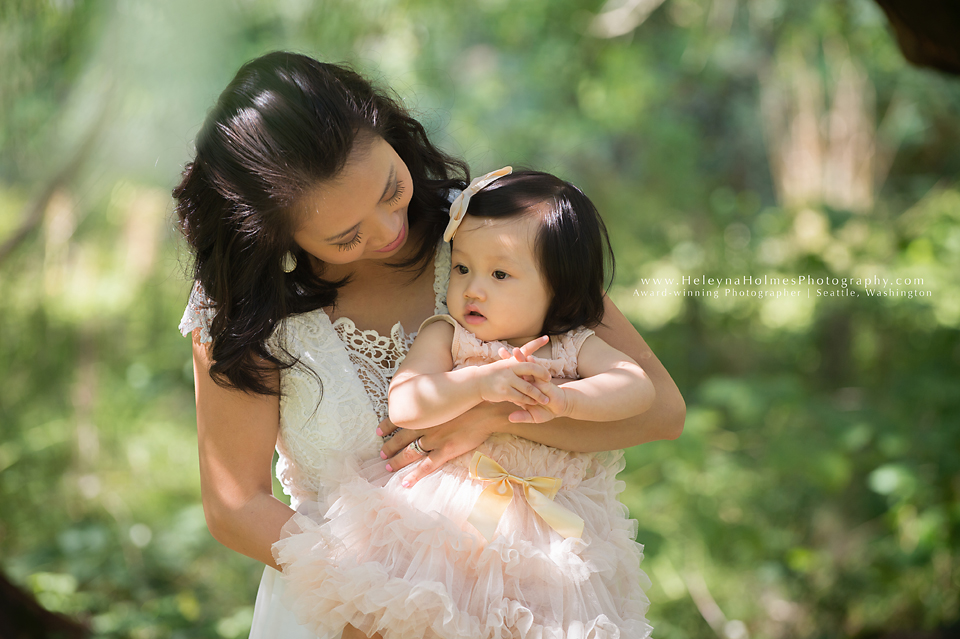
[[434, 459], [447, 441], [533, 415], [386, 428], [400, 440], [424, 468], [406, 456], [520, 417]]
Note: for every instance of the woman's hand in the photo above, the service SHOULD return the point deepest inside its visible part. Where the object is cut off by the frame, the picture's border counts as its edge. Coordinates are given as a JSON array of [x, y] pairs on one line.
[[444, 442]]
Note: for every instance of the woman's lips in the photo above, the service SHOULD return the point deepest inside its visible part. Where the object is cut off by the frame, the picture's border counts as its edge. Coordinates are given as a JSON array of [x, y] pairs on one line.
[[397, 242]]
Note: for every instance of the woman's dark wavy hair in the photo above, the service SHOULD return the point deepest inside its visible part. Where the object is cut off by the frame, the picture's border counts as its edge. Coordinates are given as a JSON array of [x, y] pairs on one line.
[[571, 246], [284, 124]]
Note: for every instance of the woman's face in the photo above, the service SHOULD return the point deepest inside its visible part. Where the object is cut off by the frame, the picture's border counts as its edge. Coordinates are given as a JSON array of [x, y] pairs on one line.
[[360, 214]]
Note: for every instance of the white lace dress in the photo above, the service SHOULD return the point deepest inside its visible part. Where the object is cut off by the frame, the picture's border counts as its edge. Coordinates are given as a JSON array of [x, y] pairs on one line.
[[330, 407]]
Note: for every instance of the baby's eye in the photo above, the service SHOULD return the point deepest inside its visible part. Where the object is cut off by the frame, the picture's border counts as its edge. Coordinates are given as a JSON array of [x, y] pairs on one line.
[[500, 275], [461, 269]]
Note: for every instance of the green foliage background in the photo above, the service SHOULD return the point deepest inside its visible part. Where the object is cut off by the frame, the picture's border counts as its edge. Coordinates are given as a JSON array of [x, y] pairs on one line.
[[815, 491]]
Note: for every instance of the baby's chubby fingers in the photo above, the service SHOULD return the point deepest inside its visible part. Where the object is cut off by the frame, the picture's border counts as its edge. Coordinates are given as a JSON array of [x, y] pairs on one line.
[[525, 394], [558, 404], [532, 346], [522, 353], [531, 370]]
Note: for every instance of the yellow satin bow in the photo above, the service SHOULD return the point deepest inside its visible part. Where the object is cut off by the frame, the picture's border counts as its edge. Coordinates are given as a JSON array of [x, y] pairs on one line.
[[495, 498]]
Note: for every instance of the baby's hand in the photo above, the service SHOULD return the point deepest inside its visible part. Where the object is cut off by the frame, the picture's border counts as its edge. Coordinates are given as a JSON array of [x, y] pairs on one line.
[[514, 381], [558, 406], [531, 347]]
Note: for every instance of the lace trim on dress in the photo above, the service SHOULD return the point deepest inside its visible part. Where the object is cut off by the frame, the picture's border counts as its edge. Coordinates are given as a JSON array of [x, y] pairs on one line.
[[377, 357], [199, 313]]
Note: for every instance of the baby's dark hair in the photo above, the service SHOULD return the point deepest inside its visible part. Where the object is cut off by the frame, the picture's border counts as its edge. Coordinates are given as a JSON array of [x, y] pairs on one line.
[[571, 247]]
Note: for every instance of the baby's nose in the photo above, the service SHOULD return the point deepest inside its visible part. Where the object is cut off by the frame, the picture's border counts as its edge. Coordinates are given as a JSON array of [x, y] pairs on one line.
[[473, 291]]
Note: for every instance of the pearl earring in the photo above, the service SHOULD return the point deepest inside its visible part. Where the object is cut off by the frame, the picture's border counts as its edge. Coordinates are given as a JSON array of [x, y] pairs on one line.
[[289, 262]]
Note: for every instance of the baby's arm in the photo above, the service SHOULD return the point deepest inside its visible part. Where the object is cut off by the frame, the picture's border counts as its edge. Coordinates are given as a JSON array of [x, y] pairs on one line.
[[612, 387], [425, 392]]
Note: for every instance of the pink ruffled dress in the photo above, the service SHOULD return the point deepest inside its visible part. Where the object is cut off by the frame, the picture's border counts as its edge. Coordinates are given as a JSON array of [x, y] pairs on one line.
[[406, 562]]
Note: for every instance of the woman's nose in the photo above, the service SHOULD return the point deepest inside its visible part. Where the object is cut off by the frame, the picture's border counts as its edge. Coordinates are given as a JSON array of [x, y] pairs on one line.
[[391, 222]]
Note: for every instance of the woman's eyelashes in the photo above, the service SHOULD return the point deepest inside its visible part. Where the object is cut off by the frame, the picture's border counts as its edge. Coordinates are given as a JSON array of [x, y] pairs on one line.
[[401, 187], [346, 246]]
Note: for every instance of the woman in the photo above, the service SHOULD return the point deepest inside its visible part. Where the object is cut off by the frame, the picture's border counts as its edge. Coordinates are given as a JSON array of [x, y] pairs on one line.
[[315, 208]]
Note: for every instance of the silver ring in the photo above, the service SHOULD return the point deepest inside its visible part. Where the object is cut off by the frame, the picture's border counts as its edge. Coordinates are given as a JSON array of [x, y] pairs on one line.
[[417, 448]]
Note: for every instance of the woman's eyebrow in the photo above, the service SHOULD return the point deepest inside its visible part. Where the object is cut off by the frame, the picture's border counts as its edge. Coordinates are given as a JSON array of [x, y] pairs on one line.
[[390, 181]]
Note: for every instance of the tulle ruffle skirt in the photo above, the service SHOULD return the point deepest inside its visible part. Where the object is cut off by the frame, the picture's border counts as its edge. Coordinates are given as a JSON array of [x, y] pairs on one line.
[[405, 562]]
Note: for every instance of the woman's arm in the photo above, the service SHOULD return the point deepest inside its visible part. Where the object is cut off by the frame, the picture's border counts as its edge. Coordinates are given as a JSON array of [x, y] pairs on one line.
[[236, 434], [664, 420]]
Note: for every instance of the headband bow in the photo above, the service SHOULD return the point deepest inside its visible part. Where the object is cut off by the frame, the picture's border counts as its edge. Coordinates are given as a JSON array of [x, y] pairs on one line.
[[458, 209]]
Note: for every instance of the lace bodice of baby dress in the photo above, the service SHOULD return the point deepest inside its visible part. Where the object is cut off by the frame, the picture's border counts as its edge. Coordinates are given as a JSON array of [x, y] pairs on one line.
[[333, 399]]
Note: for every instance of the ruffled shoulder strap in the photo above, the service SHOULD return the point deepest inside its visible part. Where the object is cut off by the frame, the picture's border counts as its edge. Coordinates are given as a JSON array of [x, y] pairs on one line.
[[198, 314], [566, 349], [439, 317], [457, 329], [466, 348]]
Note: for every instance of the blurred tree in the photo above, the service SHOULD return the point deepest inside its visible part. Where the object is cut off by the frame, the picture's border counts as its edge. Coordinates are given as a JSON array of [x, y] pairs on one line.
[[816, 489], [22, 617], [927, 32]]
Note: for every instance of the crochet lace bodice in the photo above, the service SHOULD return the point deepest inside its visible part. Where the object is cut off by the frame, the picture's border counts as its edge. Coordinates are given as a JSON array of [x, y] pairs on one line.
[[331, 401]]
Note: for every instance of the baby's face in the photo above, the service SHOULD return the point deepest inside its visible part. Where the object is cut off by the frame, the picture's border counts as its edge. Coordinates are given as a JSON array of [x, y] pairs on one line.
[[495, 289]]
